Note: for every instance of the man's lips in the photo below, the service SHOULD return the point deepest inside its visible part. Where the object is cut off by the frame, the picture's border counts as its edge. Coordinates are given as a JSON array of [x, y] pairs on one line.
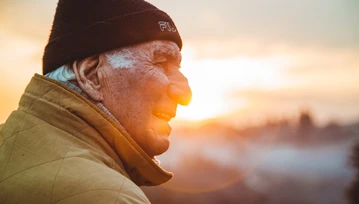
[[164, 115]]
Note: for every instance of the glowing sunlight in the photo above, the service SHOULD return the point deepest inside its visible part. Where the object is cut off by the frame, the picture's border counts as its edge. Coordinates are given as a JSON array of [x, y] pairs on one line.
[[214, 80]]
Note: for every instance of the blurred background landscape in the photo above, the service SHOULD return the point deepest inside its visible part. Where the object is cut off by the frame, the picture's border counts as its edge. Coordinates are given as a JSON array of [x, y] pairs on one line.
[[280, 161], [274, 115]]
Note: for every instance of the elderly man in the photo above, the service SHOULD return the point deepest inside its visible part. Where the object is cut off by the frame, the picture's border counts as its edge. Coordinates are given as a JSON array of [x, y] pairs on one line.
[[88, 131]]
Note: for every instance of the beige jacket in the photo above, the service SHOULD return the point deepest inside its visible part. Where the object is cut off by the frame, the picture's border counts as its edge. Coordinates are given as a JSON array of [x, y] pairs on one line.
[[58, 147]]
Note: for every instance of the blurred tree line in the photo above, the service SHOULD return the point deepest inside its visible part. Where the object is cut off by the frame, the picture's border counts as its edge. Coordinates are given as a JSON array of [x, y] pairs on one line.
[[353, 191]]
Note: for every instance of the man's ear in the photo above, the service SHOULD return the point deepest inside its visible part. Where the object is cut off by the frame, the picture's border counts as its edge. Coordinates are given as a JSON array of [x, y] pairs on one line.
[[86, 71]]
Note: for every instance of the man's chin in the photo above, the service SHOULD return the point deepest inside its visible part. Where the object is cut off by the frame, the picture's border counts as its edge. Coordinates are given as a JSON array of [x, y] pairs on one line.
[[158, 151], [156, 144]]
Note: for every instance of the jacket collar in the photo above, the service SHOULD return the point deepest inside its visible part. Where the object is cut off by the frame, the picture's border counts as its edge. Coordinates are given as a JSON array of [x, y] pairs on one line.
[[124, 150]]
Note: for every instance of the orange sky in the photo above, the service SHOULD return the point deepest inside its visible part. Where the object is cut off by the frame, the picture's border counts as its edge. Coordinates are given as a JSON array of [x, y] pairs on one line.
[[249, 59]]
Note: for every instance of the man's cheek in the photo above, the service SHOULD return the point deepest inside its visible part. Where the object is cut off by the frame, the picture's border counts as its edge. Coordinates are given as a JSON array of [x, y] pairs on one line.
[[153, 86], [157, 76]]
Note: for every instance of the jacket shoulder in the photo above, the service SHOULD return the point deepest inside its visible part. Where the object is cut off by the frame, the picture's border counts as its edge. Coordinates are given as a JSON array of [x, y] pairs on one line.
[[85, 181], [126, 195]]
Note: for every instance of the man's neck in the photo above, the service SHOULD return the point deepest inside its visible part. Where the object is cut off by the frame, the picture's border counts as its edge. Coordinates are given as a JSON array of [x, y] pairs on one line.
[[98, 104]]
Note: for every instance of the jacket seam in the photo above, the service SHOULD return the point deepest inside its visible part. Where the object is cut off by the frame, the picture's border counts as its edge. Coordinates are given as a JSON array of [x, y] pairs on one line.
[[29, 169], [58, 170], [119, 190], [43, 164], [72, 134], [12, 148], [17, 133], [85, 192], [20, 131]]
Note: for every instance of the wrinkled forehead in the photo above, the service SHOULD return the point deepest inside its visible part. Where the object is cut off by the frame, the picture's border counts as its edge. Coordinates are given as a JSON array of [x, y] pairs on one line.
[[157, 49], [152, 51]]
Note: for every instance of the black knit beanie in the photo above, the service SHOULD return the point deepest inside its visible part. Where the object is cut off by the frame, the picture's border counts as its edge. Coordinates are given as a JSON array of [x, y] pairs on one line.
[[82, 28]]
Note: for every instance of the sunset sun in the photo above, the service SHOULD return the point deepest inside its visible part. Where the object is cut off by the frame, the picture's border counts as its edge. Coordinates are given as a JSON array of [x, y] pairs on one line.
[[213, 82]]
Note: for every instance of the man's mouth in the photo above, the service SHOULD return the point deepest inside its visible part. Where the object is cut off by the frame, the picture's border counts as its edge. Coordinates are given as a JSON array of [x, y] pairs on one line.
[[164, 116]]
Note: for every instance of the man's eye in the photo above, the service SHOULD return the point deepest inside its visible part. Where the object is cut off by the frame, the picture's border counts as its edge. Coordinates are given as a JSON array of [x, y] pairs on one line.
[[162, 65]]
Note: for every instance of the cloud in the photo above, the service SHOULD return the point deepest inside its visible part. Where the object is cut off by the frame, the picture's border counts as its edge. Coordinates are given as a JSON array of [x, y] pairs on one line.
[[323, 23], [32, 19]]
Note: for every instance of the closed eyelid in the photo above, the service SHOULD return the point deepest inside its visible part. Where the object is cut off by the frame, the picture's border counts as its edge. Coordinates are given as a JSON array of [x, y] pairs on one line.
[[160, 59], [169, 60], [167, 64], [176, 59]]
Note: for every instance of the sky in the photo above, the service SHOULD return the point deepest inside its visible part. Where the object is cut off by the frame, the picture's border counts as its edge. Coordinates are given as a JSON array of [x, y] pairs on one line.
[[246, 60]]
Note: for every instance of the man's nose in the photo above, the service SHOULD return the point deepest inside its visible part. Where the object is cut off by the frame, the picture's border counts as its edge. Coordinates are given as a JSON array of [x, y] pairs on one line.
[[180, 91]]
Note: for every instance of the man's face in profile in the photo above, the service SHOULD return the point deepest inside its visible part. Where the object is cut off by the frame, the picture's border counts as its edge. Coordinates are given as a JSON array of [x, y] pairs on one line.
[[142, 87]]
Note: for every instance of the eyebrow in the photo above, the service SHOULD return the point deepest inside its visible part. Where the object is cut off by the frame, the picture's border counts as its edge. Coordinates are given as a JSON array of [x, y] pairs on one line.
[[169, 53]]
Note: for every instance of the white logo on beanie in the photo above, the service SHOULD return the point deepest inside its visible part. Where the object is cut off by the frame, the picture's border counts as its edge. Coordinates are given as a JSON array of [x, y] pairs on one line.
[[168, 25]]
